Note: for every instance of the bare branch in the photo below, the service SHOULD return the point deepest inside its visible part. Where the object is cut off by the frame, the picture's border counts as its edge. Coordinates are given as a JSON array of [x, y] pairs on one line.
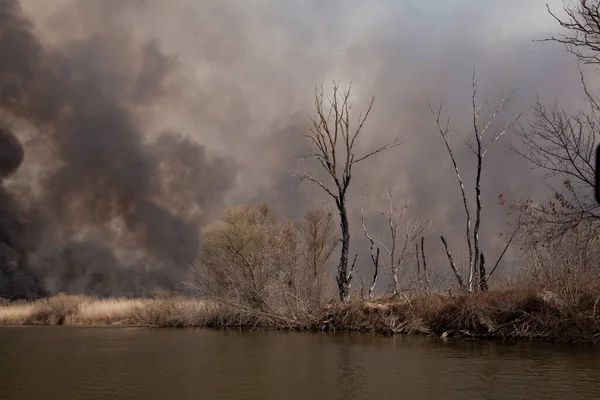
[[310, 177], [515, 231], [469, 145], [582, 23], [593, 101], [453, 265], [390, 145], [374, 249]]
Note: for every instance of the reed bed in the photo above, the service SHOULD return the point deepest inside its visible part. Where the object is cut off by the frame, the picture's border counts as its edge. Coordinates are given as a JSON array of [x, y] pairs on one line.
[[526, 313]]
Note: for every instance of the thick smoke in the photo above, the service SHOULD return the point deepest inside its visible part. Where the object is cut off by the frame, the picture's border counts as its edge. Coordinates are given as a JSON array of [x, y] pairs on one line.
[[16, 280], [117, 214], [111, 98]]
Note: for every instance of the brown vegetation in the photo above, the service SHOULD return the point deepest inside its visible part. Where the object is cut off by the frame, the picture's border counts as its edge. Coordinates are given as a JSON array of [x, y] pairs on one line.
[[540, 313], [255, 262]]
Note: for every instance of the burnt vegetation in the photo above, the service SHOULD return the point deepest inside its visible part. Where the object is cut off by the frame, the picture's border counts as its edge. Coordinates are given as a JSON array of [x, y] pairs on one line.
[[126, 220]]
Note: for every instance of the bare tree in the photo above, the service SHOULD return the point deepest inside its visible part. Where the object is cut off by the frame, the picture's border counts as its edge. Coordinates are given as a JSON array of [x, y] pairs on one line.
[[333, 138], [479, 149], [582, 23], [561, 144], [403, 231]]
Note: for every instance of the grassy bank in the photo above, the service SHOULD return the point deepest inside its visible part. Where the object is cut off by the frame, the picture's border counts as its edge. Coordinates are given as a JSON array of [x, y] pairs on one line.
[[507, 314]]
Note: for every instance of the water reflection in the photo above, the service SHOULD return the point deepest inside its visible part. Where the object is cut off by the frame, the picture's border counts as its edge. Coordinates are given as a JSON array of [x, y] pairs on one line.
[[137, 363]]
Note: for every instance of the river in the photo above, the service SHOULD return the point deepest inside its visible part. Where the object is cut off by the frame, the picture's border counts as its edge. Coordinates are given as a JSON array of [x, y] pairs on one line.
[[67, 363]]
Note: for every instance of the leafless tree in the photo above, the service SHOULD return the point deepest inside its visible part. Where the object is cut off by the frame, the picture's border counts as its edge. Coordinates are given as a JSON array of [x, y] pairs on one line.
[[562, 145], [403, 230], [582, 23], [333, 137], [479, 149]]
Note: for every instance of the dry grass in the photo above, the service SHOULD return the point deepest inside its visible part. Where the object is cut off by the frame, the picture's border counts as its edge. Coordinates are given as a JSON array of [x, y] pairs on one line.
[[83, 310], [529, 313], [16, 314], [541, 313], [107, 311]]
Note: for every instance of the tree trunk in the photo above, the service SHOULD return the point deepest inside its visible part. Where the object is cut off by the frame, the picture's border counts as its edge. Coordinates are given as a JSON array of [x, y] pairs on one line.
[[428, 283], [482, 275], [472, 285], [343, 280], [418, 266], [396, 283], [375, 259]]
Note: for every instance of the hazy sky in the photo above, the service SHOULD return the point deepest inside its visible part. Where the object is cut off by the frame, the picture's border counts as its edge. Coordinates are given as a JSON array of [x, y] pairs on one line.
[[246, 72]]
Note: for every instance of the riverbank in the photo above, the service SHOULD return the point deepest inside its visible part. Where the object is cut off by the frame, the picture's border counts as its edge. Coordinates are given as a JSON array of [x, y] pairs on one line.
[[523, 314]]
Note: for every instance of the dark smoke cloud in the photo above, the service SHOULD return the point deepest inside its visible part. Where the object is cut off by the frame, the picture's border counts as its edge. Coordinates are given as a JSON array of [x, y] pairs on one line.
[[108, 187], [16, 279], [105, 84], [11, 153]]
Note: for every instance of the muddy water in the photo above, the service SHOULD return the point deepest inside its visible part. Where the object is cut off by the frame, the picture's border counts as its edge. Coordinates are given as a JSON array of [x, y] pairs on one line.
[[136, 363]]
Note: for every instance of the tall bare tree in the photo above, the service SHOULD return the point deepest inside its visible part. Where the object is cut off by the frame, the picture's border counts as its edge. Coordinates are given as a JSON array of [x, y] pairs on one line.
[[562, 144], [333, 138], [479, 149]]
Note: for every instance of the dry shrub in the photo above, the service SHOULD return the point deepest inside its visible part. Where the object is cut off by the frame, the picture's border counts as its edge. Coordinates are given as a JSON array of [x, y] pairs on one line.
[[275, 270]]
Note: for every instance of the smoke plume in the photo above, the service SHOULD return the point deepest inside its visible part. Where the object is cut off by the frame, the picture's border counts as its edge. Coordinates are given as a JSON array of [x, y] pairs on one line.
[[116, 213], [141, 120]]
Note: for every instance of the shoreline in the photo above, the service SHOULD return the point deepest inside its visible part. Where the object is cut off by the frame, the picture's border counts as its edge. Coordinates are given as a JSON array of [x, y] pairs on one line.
[[515, 315]]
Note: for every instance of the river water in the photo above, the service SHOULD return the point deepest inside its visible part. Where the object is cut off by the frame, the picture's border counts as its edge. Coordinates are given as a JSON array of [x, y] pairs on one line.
[[66, 363]]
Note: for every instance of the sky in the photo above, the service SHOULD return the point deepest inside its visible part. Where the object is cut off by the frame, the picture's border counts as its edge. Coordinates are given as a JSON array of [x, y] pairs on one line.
[[245, 73]]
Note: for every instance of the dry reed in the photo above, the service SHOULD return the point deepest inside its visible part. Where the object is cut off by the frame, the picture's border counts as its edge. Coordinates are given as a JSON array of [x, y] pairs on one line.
[[528, 313]]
